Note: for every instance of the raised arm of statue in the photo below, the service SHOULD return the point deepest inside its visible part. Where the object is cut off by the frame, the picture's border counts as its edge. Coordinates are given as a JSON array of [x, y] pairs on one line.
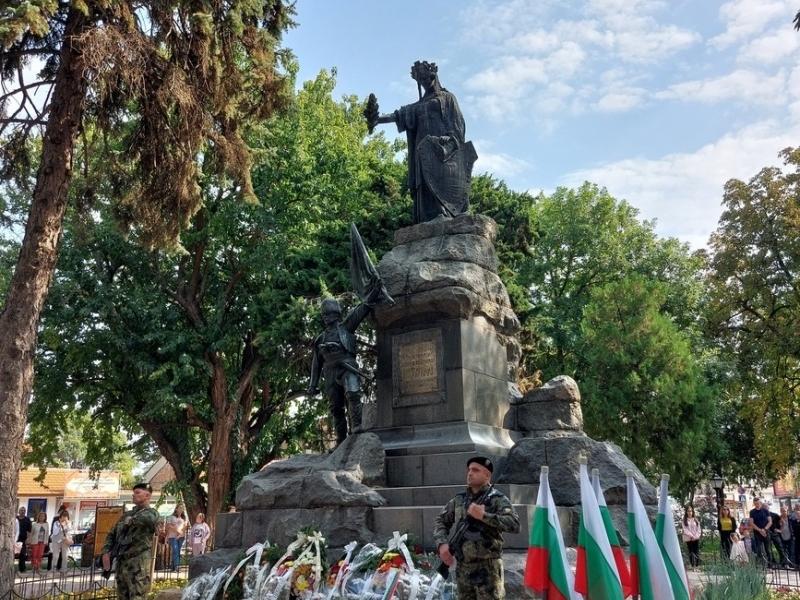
[[373, 116]]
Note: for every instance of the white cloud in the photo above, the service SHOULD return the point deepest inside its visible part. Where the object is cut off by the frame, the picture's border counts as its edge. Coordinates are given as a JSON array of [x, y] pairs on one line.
[[499, 165], [746, 18], [511, 77], [648, 46], [743, 86], [684, 191], [620, 100], [771, 48]]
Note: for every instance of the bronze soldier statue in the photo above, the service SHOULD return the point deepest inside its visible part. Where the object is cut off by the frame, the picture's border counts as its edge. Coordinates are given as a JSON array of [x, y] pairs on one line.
[[335, 360], [439, 159]]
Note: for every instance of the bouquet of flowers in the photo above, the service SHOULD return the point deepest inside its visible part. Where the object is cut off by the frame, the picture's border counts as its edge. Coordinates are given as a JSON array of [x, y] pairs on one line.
[[394, 563], [206, 586], [299, 573], [359, 572]]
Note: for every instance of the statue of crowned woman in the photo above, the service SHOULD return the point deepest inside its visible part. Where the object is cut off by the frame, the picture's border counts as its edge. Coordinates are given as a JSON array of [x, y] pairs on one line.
[[439, 160]]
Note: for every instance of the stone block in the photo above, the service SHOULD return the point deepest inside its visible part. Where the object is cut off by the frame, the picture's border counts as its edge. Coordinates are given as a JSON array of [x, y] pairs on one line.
[[556, 406], [389, 519], [404, 471], [341, 478], [340, 525]]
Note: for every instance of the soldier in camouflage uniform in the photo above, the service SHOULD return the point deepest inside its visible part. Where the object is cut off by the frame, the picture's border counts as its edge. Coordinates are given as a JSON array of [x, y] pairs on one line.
[[479, 576], [130, 541]]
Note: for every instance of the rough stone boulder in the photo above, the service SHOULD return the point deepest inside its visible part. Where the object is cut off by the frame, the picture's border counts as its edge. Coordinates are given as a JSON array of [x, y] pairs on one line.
[[551, 410], [341, 478], [211, 561], [448, 267], [561, 455]]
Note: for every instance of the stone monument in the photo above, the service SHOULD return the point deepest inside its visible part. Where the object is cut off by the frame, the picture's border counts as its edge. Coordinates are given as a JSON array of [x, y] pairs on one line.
[[445, 380]]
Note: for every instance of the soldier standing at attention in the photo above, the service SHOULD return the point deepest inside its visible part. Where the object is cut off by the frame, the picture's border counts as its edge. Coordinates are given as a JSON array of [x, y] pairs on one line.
[[479, 576], [130, 541]]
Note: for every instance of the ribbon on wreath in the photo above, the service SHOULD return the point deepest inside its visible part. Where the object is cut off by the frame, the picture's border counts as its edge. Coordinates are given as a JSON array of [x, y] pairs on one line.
[[340, 576], [315, 541], [282, 581], [435, 582], [398, 542], [258, 550], [302, 540]]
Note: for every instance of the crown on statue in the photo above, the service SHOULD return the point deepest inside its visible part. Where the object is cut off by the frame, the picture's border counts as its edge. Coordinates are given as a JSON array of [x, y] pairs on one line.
[[423, 69]]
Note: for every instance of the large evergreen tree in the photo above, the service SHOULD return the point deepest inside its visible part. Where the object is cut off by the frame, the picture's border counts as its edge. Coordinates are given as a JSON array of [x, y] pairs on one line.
[[164, 81]]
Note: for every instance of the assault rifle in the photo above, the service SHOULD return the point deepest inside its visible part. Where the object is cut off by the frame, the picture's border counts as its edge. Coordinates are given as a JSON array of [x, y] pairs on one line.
[[457, 539]]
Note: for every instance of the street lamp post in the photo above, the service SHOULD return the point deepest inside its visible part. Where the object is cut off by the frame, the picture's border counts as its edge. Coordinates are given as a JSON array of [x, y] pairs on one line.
[[718, 484]]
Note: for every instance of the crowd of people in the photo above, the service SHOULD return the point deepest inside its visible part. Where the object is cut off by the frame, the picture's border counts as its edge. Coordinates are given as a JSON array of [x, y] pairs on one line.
[[778, 532], [34, 536], [772, 539]]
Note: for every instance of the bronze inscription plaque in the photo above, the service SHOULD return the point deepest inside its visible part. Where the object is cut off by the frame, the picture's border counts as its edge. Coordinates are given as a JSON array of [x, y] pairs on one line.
[[417, 367]]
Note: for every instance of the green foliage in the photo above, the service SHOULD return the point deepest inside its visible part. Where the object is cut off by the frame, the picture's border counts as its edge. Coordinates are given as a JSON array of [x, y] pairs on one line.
[[185, 346], [754, 306], [643, 387], [582, 240], [735, 582]]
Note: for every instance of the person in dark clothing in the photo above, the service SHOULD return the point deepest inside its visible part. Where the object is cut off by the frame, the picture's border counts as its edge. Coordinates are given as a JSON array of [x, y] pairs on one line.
[[761, 522], [794, 525], [25, 525], [777, 543]]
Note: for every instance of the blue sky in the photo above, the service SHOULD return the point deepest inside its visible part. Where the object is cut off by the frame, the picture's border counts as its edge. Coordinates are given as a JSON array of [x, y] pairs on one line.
[[661, 102]]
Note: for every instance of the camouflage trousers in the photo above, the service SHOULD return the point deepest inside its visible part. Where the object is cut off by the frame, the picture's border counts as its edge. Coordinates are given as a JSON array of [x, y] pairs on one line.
[[480, 580], [133, 578]]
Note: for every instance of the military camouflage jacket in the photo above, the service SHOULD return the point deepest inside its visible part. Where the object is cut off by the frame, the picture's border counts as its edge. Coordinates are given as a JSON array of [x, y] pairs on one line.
[[132, 536], [484, 539]]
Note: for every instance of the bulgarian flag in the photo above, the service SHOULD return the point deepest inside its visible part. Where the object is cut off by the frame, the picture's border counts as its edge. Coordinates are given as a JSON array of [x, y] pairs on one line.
[[596, 576], [547, 571], [647, 565], [611, 532], [667, 538]]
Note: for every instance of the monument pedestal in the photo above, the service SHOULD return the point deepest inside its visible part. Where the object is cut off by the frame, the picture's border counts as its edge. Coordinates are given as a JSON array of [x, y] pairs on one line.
[[445, 350]]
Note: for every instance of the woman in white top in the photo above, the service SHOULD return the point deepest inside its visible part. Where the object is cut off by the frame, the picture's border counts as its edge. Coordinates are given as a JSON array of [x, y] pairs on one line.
[[176, 530], [61, 540], [691, 535], [37, 538], [200, 534]]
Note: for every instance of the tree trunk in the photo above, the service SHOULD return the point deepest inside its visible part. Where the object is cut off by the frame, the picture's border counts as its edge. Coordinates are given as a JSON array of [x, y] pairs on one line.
[[32, 276], [220, 454]]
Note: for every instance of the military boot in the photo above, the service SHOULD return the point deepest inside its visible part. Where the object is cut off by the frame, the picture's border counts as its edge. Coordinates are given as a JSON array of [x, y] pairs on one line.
[[354, 408], [340, 426]]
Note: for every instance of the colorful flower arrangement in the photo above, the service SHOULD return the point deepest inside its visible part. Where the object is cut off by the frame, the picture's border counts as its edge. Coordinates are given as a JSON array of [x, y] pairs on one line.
[[402, 571]]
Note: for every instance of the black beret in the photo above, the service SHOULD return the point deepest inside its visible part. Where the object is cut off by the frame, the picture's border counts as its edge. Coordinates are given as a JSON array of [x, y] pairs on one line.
[[482, 461], [143, 486]]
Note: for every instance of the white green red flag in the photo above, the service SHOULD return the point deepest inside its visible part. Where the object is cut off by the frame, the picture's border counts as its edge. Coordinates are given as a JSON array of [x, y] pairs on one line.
[[611, 532], [667, 538], [547, 569], [596, 576], [648, 571]]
